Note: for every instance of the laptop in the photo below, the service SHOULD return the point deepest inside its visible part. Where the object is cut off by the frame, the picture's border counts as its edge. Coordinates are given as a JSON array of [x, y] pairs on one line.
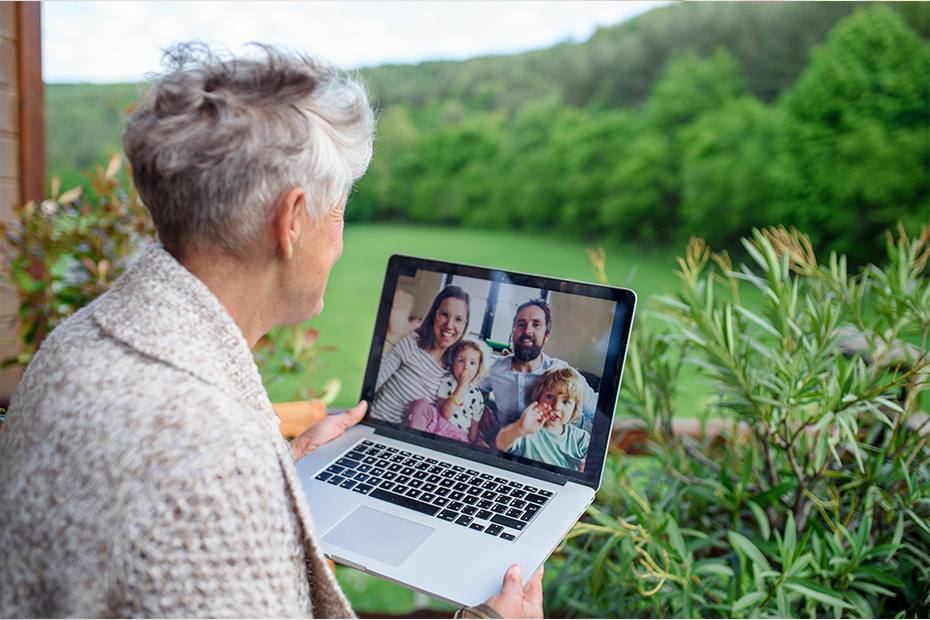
[[444, 504]]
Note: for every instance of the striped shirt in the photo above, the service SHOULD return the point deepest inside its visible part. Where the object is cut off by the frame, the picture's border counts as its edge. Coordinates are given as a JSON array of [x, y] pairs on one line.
[[407, 373]]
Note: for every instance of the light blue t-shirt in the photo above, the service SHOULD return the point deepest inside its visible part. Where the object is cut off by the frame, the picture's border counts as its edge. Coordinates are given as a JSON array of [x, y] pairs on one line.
[[567, 450]]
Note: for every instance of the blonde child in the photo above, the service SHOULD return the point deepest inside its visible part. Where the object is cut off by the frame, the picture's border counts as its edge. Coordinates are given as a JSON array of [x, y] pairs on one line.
[[460, 402], [545, 431]]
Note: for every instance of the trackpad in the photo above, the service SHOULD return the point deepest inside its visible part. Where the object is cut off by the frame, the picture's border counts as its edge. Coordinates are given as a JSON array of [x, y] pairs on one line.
[[378, 535]]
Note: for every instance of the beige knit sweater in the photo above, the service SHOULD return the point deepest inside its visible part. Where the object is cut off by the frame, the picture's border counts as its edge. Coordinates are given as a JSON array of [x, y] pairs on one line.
[[142, 472]]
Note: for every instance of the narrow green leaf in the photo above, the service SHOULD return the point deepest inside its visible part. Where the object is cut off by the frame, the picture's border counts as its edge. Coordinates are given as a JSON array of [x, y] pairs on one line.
[[781, 599], [712, 567], [761, 518], [817, 592], [880, 576], [750, 550], [750, 599], [790, 539]]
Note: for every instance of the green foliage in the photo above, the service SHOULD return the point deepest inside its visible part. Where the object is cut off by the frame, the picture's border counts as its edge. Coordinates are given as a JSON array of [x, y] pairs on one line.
[[61, 254], [814, 498], [854, 151], [291, 351], [84, 125], [696, 118]]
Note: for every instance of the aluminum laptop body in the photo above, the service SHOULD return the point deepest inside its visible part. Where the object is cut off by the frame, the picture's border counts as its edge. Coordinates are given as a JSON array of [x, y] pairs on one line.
[[447, 516]]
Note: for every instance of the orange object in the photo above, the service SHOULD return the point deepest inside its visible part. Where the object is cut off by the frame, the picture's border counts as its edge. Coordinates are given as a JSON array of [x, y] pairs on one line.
[[298, 416]]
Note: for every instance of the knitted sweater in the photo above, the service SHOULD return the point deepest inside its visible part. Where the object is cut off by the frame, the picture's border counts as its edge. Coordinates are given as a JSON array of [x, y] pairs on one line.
[[142, 472]]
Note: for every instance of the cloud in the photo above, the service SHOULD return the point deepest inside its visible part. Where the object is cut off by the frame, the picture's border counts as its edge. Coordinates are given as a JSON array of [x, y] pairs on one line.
[[108, 42]]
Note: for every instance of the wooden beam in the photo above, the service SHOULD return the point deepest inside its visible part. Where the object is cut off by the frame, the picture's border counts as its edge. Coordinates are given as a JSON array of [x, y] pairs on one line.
[[32, 101]]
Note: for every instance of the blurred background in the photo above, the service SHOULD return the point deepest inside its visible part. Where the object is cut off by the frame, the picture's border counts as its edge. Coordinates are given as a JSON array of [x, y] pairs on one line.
[[517, 134]]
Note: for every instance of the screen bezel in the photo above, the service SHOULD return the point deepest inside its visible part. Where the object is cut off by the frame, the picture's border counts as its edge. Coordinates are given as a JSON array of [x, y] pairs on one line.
[[625, 300]]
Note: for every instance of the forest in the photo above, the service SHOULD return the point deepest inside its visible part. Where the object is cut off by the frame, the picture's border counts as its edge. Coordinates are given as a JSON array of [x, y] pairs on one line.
[[704, 119]]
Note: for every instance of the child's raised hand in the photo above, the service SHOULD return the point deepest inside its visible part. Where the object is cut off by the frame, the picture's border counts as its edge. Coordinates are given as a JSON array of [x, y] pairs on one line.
[[534, 417], [468, 375]]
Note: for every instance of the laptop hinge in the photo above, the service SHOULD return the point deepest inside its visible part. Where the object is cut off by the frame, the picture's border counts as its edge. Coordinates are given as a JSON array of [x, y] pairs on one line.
[[472, 454]]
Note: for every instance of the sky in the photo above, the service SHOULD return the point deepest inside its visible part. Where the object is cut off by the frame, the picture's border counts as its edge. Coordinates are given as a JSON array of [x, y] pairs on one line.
[[109, 42]]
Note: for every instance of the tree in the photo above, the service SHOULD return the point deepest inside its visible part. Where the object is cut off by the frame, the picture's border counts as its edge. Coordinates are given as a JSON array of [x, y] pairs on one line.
[[854, 152]]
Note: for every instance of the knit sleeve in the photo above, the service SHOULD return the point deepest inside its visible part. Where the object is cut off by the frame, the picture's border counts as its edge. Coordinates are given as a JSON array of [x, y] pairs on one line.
[[215, 534]]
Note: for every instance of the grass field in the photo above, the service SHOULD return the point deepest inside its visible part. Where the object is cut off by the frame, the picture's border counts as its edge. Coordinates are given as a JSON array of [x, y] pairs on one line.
[[354, 289]]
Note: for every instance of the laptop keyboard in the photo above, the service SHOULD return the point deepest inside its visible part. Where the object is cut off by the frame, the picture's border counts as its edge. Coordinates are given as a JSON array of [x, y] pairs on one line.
[[490, 504]]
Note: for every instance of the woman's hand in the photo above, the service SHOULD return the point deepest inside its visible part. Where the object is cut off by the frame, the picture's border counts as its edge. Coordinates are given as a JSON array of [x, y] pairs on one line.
[[326, 430], [515, 601]]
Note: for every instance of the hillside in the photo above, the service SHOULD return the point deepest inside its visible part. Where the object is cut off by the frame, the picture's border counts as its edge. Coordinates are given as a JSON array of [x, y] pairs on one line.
[[694, 118]]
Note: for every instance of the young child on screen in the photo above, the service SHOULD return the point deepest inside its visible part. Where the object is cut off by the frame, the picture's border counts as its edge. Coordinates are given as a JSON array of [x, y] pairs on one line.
[[545, 431], [460, 402]]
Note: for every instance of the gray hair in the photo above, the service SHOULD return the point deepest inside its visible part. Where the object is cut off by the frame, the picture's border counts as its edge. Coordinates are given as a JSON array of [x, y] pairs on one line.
[[217, 141]]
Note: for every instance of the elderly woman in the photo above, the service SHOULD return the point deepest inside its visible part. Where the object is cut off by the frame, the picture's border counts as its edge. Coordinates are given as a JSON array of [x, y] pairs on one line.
[[415, 366], [143, 472]]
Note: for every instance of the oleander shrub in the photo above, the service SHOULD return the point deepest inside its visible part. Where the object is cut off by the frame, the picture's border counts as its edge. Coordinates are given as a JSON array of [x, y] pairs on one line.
[[815, 498]]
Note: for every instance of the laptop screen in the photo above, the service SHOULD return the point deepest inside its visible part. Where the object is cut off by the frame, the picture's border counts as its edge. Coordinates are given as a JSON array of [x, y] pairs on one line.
[[514, 370]]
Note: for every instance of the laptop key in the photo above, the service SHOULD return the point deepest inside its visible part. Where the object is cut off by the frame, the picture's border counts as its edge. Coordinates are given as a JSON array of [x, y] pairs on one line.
[[536, 499], [323, 475], [470, 510], [427, 497], [507, 536], [362, 488], [476, 526], [456, 506], [336, 480], [413, 493], [348, 484], [515, 513], [493, 530], [440, 501], [484, 514], [448, 515], [464, 520], [406, 502], [511, 523]]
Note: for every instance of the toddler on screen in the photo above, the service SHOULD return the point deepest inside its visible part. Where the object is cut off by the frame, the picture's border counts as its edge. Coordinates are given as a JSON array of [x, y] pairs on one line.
[[460, 402], [545, 431]]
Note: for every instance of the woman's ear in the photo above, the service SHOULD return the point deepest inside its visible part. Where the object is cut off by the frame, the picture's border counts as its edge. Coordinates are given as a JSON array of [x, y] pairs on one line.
[[290, 217]]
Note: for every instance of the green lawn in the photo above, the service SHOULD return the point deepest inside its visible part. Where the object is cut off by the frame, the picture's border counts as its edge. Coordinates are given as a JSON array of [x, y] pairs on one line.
[[355, 284]]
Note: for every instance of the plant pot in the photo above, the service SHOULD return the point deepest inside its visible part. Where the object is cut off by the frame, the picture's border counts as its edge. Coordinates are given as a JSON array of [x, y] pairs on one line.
[[298, 416]]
